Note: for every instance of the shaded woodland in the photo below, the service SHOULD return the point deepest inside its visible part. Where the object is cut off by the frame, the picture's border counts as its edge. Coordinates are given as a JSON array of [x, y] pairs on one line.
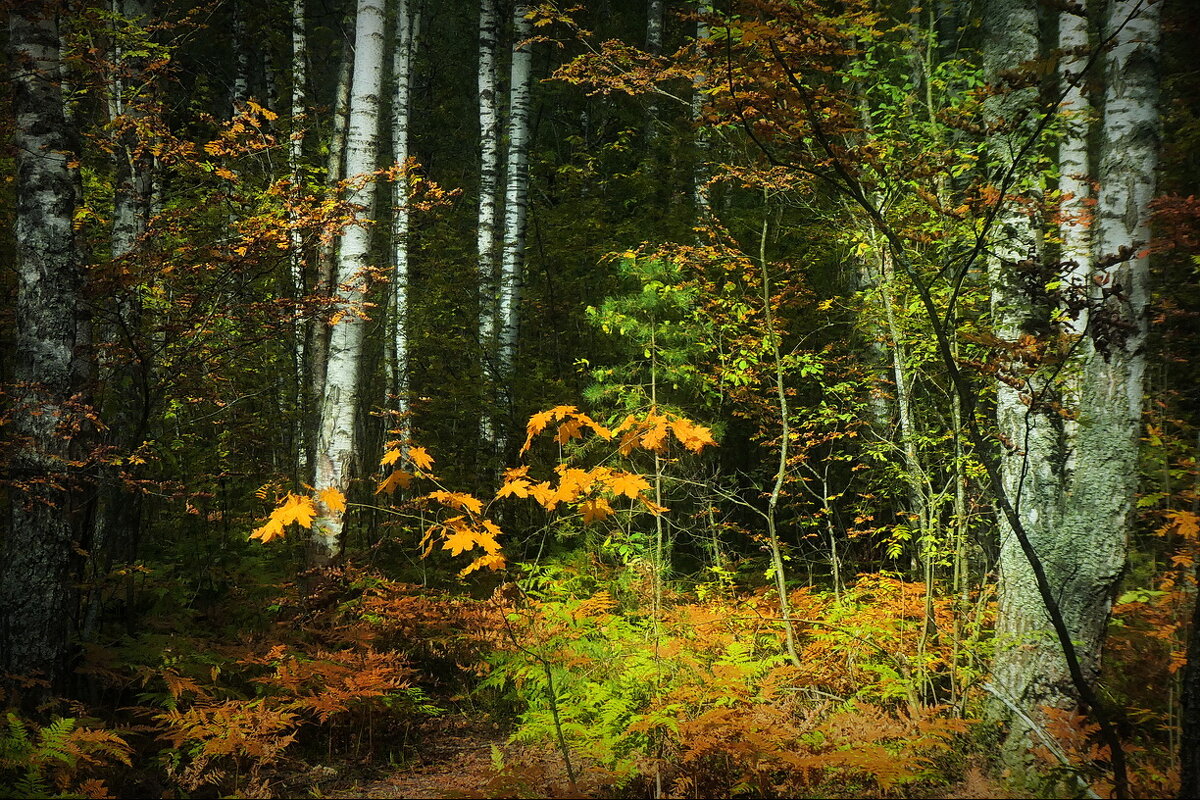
[[630, 398]]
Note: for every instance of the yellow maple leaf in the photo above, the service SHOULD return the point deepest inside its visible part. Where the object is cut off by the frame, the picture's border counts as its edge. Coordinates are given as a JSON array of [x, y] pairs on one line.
[[398, 478], [516, 488], [462, 539], [458, 500], [655, 436], [568, 430], [493, 561], [545, 495], [298, 509], [628, 484], [272, 529], [692, 436], [333, 499], [390, 457], [420, 457], [596, 510]]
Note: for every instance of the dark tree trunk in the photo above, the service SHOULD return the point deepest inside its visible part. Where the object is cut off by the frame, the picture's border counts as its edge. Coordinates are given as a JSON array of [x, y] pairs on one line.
[[36, 594]]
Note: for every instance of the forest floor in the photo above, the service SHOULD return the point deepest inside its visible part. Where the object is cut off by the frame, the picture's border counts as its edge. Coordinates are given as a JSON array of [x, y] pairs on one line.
[[457, 757]]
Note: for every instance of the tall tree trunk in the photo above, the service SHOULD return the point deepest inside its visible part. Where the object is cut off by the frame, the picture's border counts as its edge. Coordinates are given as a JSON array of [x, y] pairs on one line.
[[1098, 519], [117, 522], [335, 170], [516, 199], [402, 62], [240, 91], [654, 46], [1029, 669], [700, 171], [339, 409], [1075, 183], [35, 563], [489, 179], [296, 237]]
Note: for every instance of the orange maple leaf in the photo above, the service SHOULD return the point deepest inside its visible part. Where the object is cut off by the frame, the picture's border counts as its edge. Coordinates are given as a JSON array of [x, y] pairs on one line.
[[462, 539], [545, 495], [596, 510], [390, 457], [420, 457], [397, 478], [516, 488], [628, 484], [493, 561], [458, 500], [333, 499]]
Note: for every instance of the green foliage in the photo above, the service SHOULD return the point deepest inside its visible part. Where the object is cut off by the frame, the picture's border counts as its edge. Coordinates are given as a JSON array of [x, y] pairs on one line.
[[58, 760]]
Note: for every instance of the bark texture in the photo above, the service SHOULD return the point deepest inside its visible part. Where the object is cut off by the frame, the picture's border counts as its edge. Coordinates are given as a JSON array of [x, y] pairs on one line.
[[489, 180], [339, 409], [1029, 670], [1072, 483], [402, 64], [35, 565], [516, 197]]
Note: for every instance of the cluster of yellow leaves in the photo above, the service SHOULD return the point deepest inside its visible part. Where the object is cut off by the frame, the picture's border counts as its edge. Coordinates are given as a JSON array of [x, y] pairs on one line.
[[579, 486], [573, 421], [462, 534], [651, 433], [401, 478], [299, 509]]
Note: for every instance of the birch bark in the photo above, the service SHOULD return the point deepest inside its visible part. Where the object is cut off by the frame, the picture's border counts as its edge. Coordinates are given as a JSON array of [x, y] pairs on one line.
[[295, 235], [1029, 669], [489, 179], [516, 196], [402, 62], [339, 408], [35, 559]]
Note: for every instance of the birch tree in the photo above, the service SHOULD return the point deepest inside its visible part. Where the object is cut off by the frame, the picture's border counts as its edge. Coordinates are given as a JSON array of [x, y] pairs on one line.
[[339, 407], [296, 239], [489, 179], [318, 330], [35, 561], [1028, 671], [1072, 481], [516, 196], [402, 62]]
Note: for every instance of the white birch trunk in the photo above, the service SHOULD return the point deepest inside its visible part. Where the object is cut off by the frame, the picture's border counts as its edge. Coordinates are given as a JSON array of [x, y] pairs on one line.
[[1075, 181], [516, 196], [35, 557], [1029, 668], [318, 331], [1100, 512], [489, 178], [402, 61], [296, 238], [339, 408]]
